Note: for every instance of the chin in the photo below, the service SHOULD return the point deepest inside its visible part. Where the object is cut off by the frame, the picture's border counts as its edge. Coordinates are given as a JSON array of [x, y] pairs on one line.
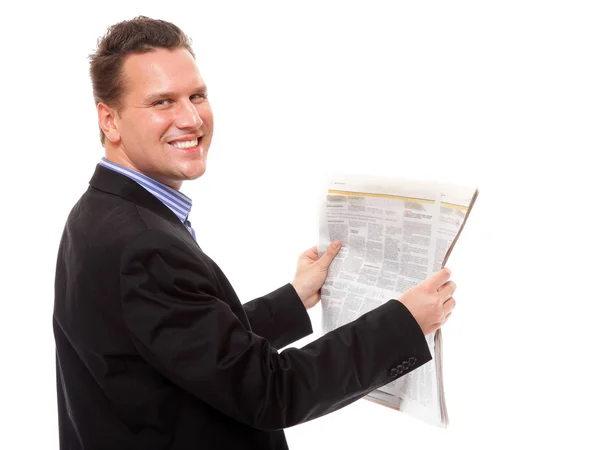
[[195, 172]]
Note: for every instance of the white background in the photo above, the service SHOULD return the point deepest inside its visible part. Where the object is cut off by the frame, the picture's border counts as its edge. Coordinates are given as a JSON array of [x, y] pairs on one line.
[[502, 95]]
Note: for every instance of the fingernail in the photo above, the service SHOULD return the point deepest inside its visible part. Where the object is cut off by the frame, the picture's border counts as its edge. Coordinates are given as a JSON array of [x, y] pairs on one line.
[[337, 244]]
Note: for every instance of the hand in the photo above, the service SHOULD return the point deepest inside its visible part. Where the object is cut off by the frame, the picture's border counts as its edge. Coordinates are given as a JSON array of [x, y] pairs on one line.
[[311, 272], [431, 302]]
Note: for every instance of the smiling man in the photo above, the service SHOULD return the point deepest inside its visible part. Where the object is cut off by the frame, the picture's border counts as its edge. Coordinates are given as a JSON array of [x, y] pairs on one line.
[[154, 350], [163, 125]]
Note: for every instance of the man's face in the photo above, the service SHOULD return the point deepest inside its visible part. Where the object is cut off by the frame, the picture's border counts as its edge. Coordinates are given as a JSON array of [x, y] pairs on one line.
[[165, 125]]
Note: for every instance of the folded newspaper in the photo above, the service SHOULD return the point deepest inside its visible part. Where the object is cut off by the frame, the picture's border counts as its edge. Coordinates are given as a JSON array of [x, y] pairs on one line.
[[395, 233]]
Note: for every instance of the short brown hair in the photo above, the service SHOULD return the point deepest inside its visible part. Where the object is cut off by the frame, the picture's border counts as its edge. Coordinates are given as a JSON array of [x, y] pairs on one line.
[[138, 35]]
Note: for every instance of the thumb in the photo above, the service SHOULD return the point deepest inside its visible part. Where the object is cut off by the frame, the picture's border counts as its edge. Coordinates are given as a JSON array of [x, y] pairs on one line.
[[330, 253]]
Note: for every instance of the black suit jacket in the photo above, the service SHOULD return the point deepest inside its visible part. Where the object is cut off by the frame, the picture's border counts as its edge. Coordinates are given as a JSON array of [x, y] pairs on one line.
[[155, 351]]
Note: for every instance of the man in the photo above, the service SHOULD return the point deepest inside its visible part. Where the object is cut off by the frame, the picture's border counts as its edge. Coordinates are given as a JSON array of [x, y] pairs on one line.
[[154, 349]]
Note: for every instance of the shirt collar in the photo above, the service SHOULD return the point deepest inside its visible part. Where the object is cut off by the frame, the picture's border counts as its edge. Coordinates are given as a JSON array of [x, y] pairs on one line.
[[176, 201]]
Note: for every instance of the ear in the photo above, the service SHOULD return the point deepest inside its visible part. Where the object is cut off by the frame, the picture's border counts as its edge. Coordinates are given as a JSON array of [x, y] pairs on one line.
[[107, 122]]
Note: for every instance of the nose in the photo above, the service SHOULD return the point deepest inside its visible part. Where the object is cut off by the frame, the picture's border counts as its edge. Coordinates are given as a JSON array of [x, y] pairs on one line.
[[188, 116]]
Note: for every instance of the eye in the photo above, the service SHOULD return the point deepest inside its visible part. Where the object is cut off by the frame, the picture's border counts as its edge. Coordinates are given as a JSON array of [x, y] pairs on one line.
[[163, 102], [200, 96]]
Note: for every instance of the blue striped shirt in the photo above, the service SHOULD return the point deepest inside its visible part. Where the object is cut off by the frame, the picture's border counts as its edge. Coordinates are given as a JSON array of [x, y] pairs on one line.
[[177, 202]]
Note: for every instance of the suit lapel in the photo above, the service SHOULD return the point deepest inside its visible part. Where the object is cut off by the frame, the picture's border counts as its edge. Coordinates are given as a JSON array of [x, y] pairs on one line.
[[112, 182]]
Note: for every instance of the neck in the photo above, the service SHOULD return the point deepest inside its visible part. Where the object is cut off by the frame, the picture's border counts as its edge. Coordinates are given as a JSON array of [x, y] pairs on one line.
[[117, 156]]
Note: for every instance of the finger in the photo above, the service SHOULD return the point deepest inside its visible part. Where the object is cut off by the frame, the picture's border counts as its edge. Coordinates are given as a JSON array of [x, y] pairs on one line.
[[448, 305], [447, 290], [312, 253], [436, 281], [447, 284], [330, 253], [446, 318]]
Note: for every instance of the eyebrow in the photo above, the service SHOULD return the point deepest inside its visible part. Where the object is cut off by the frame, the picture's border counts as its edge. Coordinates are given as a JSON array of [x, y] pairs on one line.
[[169, 94]]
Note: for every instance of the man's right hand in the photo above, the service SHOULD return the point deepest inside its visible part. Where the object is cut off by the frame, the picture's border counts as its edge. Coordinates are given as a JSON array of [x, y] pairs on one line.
[[431, 302]]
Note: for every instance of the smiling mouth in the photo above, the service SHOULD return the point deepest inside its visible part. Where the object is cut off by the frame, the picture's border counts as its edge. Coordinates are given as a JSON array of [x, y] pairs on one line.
[[187, 145]]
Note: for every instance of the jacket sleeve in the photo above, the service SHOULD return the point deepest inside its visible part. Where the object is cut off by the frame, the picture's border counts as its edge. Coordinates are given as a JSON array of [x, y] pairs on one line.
[[179, 325], [280, 317]]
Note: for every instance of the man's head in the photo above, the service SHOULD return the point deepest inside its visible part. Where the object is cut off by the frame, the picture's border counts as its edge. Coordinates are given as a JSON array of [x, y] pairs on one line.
[[153, 111]]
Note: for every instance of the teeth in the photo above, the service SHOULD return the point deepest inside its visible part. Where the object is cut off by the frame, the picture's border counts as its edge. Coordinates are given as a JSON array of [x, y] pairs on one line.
[[185, 144]]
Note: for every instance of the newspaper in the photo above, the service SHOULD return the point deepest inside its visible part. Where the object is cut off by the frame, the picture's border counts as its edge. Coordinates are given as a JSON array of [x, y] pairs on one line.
[[395, 233]]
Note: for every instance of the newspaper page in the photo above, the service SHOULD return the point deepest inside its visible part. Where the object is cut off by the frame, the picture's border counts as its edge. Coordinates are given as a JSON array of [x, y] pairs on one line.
[[395, 233]]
